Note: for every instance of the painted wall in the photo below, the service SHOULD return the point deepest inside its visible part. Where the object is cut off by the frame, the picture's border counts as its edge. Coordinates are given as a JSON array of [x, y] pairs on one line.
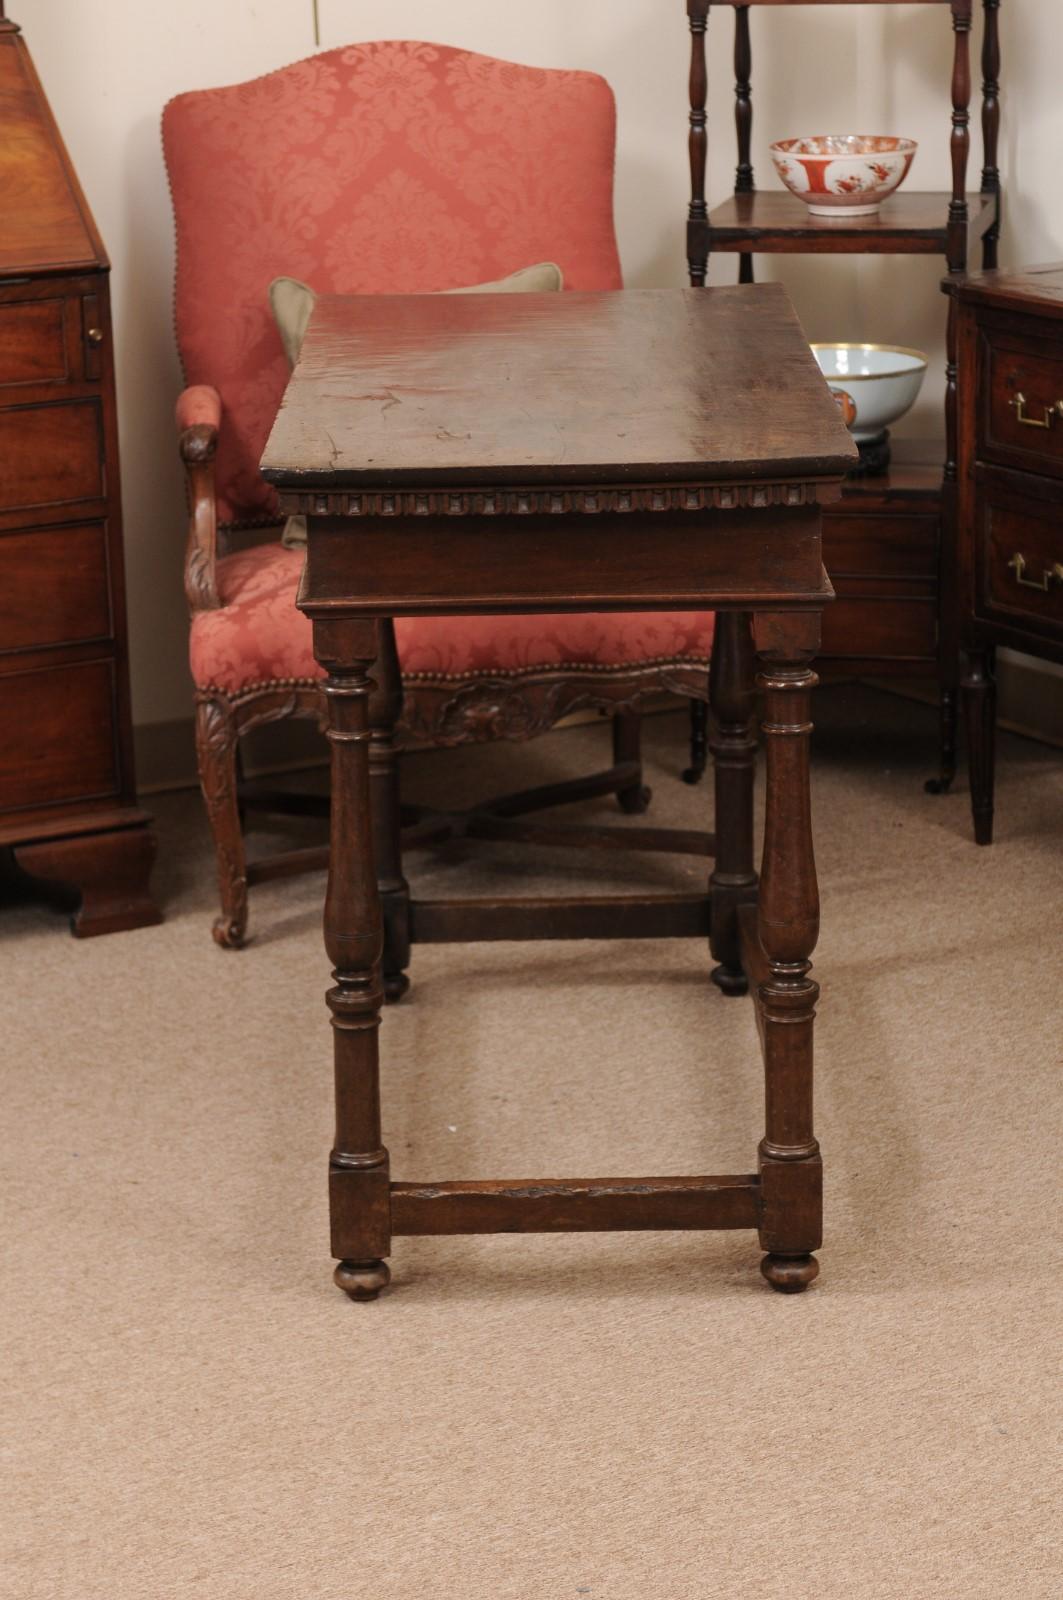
[[109, 66]]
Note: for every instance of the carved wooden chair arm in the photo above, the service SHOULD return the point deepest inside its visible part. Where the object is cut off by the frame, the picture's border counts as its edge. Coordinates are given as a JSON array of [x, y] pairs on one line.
[[198, 421]]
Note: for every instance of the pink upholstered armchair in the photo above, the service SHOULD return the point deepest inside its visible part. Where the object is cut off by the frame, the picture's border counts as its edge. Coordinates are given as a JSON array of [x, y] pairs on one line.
[[397, 167]]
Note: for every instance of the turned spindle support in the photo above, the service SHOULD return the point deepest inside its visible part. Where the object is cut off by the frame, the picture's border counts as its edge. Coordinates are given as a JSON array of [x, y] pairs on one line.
[[788, 927], [956, 241], [960, 144], [956, 254], [743, 66], [991, 124], [698, 215], [734, 753], [359, 1177]]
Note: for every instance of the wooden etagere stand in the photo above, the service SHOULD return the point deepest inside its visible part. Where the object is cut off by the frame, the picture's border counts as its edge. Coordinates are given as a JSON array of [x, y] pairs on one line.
[[886, 542]]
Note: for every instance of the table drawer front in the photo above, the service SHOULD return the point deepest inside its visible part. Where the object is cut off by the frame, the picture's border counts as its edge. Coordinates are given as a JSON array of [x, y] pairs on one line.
[[54, 587], [33, 344], [1022, 416], [57, 737], [1020, 556], [51, 455]]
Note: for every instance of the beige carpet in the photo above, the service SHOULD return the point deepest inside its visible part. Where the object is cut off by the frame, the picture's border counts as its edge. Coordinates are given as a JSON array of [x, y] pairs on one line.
[[193, 1410]]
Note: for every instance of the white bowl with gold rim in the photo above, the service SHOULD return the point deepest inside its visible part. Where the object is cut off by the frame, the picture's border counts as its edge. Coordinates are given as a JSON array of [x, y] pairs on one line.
[[881, 381]]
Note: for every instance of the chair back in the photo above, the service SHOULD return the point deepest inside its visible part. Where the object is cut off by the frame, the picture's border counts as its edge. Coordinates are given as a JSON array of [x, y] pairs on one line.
[[379, 168]]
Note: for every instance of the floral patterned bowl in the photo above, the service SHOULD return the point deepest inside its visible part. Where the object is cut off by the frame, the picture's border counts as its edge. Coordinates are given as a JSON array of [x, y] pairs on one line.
[[843, 173]]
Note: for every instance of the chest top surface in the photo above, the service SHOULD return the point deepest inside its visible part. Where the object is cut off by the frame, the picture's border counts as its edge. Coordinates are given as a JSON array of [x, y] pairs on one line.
[[1036, 289], [630, 386], [45, 224]]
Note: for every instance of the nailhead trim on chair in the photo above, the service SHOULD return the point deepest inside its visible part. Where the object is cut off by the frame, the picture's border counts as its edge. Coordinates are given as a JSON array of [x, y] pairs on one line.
[[563, 669]]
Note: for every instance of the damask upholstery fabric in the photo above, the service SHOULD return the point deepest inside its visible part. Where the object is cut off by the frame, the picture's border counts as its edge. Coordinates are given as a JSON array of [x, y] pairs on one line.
[[379, 168], [259, 637]]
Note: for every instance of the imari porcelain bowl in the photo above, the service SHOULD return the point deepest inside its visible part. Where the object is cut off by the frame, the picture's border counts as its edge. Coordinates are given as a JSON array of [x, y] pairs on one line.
[[881, 381], [843, 175]]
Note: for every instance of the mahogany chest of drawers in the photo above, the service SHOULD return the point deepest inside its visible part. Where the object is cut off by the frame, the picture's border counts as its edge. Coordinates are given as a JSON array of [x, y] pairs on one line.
[[1009, 523], [68, 808]]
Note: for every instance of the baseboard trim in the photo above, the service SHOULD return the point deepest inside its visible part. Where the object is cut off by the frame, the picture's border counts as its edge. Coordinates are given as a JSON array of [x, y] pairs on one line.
[[166, 751]]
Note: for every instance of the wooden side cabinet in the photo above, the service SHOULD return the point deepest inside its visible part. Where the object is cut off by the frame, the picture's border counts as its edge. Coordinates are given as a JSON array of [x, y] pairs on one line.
[[68, 808], [1009, 533]]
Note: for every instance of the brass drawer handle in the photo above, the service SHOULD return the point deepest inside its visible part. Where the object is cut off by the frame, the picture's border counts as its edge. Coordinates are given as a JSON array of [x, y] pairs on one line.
[[95, 336], [1055, 572], [1051, 412]]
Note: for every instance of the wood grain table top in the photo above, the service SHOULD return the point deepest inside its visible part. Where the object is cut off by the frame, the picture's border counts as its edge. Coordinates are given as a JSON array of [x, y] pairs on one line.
[[622, 387]]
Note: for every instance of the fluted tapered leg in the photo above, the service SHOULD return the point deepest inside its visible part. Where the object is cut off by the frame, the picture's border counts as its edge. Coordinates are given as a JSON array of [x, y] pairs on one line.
[[734, 753], [788, 926], [359, 1180], [980, 708]]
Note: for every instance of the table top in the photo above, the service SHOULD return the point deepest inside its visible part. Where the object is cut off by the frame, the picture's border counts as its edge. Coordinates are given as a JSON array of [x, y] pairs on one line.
[[624, 387]]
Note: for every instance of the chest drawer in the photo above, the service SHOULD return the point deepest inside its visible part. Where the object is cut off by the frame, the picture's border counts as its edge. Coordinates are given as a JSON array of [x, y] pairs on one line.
[[50, 339], [1021, 422], [54, 587], [1019, 553], [57, 735], [51, 455]]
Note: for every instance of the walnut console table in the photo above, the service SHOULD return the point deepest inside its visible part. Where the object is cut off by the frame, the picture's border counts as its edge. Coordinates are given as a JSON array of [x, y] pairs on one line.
[[647, 450]]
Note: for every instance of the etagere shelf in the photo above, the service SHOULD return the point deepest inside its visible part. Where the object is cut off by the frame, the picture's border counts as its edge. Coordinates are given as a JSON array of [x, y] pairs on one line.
[[887, 542]]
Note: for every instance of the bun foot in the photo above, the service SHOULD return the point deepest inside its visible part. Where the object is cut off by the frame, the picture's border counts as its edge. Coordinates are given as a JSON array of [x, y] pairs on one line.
[[396, 985], [362, 1280], [692, 774], [937, 785], [730, 980], [790, 1274]]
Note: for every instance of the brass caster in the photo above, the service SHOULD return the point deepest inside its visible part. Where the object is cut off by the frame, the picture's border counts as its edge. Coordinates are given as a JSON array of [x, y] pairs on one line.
[[229, 933]]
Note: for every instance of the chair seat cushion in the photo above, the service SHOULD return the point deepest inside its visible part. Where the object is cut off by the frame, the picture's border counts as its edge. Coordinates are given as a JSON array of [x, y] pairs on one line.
[[258, 637]]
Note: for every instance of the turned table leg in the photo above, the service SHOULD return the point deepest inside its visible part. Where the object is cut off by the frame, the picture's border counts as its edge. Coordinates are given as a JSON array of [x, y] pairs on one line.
[[734, 754], [359, 1179], [385, 708], [788, 926]]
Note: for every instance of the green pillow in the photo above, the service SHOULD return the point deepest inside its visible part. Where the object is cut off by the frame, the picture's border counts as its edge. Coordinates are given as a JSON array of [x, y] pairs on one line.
[[293, 305]]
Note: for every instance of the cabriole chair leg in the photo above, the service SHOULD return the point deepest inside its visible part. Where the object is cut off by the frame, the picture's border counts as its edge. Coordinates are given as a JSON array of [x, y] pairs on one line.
[[216, 742]]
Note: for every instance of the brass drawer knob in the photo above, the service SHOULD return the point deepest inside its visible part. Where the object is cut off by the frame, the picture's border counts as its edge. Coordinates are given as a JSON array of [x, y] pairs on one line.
[[1051, 412], [95, 336], [1053, 574]]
